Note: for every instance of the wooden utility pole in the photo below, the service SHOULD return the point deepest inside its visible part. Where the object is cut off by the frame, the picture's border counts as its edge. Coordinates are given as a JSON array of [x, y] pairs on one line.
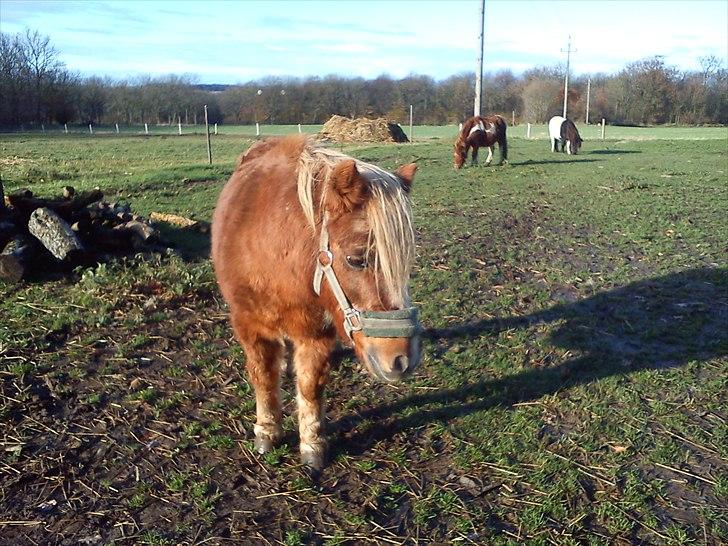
[[207, 131], [568, 52], [479, 72]]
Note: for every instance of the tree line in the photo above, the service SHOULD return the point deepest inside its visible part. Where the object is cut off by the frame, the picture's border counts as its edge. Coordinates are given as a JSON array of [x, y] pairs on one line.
[[36, 88]]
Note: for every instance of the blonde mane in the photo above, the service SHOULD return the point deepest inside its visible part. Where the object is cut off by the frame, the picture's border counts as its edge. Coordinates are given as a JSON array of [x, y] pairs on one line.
[[391, 236]]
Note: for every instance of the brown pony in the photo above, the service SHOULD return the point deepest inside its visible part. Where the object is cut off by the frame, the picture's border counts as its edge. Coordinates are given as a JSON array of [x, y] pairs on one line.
[[310, 245], [481, 131]]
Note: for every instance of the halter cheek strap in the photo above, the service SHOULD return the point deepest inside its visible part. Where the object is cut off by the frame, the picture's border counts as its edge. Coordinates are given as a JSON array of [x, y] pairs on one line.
[[324, 266], [396, 323]]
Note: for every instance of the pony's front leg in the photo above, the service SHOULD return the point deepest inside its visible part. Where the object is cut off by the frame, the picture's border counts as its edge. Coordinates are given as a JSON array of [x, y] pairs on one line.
[[554, 144], [264, 363], [568, 147], [490, 156], [311, 359]]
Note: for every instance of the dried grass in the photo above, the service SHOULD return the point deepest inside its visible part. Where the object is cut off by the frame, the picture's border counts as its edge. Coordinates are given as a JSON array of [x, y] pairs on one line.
[[341, 129]]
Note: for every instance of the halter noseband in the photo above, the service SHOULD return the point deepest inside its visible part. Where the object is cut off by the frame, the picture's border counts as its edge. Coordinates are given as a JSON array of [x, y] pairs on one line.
[[396, 323]]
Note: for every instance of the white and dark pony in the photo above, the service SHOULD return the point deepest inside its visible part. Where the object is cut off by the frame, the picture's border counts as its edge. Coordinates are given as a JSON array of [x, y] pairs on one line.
[[480, 131], [563, 132]]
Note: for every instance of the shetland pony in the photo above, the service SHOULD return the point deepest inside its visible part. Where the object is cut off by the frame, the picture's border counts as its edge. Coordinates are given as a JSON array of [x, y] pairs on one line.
[[308, 246], [481, 131], [563, 131]]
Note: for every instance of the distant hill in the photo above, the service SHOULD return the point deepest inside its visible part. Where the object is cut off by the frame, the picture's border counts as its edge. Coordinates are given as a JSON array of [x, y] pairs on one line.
[[213, 87]]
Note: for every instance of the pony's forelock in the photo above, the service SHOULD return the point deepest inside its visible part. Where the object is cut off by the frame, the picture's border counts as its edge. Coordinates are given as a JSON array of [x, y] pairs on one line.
[[388, 210]]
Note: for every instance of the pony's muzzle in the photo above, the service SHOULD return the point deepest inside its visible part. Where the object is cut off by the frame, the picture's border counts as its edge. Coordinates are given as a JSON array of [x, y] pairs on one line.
[[392, 359], [391, 368]]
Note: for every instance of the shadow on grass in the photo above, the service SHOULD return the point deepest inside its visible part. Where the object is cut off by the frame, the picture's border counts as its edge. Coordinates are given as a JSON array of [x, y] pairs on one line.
[[614, 152], [188, 244], [650, 324], [191, 245], [529, 162]]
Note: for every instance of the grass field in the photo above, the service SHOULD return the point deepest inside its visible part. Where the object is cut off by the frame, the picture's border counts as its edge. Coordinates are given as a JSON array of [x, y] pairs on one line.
[[422, 132], [573, 388]]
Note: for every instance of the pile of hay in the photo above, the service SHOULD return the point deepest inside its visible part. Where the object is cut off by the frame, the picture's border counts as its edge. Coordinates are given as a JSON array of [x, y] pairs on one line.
[[341, 129]]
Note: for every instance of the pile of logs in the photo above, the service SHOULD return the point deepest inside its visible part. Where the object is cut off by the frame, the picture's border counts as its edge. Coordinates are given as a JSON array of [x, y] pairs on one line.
[[38, 234]]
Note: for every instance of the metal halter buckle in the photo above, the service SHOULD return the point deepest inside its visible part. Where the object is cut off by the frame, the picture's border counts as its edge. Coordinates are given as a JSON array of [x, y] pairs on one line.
[[352, 320]]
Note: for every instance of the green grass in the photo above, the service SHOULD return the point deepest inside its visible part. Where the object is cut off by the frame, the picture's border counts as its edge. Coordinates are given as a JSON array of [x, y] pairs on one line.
[[572, 389], [590, 132]]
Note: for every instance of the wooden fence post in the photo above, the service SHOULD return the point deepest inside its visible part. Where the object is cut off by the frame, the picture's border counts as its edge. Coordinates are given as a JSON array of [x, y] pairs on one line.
[[207, 132], [411, 137]]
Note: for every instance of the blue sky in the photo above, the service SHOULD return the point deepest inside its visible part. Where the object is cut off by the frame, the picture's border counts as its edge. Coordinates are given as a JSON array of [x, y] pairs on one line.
[[236, 41]]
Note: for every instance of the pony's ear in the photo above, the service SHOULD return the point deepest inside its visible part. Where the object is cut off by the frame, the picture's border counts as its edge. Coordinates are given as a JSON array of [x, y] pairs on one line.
[[406, 174], [347, 188]]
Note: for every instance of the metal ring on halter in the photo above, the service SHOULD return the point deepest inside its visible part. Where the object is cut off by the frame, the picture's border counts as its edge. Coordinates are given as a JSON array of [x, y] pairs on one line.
[[328, 255]]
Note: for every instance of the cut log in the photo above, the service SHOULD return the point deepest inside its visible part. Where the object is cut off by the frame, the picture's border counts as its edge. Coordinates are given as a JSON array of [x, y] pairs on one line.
[[3, 207], [15, 259], [111, 240], [143, 234], [181, 221], [55, 234], [63, 207], [8, 230]]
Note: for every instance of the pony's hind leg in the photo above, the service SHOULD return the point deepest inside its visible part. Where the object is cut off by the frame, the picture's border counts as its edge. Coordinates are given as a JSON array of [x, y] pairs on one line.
[[264, 360], [490, 156], [475, 156], [311, 360]]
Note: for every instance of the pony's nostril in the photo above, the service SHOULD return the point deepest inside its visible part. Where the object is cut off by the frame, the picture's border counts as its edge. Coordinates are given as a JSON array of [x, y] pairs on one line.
[[400, 364]]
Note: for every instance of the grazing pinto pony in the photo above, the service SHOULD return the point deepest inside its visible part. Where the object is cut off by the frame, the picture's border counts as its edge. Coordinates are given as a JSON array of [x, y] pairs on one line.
[[563, 131], [309, 245], [481, 131]]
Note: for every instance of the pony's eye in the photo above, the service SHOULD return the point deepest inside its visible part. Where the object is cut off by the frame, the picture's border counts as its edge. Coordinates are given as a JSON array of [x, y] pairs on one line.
[[357, 262]]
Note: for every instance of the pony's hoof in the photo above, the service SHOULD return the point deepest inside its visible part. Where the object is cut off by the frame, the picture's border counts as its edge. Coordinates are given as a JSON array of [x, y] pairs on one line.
[[263, 444], [314, 458]]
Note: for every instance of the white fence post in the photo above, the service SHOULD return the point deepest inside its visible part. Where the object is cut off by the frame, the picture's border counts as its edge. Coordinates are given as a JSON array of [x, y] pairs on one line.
[[257, 129], [528, 130], [216, 128], [117, 128], [65, 128], [179, 125], [602, 128], [146, 129], [90, 129]]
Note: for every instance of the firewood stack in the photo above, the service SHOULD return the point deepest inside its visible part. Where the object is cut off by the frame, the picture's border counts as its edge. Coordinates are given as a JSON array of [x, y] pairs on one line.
[[39, 234]]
